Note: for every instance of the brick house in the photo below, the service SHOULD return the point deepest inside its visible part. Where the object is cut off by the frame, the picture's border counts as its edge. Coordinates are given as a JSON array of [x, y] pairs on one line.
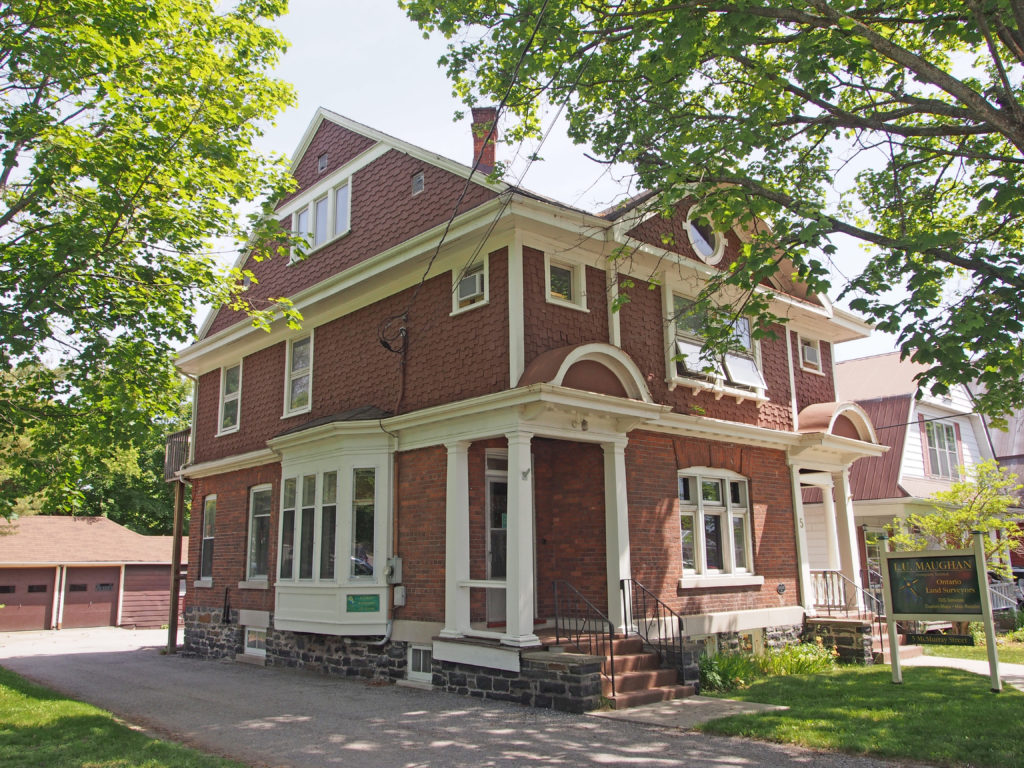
[[462, 422]]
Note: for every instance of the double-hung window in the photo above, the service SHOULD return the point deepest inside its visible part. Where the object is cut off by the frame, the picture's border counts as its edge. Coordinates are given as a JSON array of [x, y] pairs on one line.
[[298, 382], [322, 218], [943, 455], [206, 547], [738, 368], [230, 398], [258, 555], [714, 523]]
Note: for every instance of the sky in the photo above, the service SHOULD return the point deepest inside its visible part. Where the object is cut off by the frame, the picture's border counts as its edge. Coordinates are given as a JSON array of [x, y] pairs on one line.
[[367, 61]]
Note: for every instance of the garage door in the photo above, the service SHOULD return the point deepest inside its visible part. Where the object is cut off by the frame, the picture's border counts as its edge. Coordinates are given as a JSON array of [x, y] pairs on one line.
[[27, 597], [90, 597]]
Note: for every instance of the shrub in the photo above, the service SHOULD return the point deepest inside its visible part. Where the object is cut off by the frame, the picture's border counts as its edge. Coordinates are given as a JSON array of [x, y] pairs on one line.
[[729, 671], [1017, 636], [800, 659]]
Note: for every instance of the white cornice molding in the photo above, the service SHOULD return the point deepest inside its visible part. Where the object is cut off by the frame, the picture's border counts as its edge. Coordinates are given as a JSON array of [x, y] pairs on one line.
[[229, 464]]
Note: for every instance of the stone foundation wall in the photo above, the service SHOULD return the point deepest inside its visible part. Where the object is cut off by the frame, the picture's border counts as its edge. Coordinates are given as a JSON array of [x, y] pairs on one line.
[[772, 637], [566, 681], [208, 636], [777, 638], [851, 638]]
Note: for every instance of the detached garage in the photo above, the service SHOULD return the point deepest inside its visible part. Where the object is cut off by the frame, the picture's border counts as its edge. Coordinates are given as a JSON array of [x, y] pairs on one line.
[[60, 572]]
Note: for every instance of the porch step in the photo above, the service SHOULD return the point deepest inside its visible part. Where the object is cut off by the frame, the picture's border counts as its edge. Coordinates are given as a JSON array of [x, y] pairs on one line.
[[623, 700], [622, 646], [628, 682], [633, 662], [905, 651]]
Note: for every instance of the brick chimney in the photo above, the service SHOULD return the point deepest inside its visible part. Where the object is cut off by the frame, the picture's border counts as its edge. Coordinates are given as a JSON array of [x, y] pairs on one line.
[[485, 134]]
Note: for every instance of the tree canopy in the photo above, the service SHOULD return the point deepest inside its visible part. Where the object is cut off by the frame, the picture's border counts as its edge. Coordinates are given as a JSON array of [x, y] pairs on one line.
[[900, 124], [127, 135]]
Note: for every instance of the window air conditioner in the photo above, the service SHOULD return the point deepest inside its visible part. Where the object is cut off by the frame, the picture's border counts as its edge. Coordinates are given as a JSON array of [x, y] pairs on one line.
[[471, 287], [811, 356]]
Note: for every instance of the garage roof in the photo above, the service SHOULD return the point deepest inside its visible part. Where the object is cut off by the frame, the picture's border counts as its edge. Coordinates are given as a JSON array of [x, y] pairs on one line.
[[58, 539]]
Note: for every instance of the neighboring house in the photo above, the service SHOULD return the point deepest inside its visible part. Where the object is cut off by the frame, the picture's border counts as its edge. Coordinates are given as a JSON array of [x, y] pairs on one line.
[[462, 421], [933, 441], [58, 572]]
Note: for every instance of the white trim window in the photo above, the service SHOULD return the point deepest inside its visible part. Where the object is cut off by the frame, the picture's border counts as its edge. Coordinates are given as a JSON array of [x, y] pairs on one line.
[[230, 399], [738, 370], [707, 244], [565, 283], [206, 543], [323, 218], [714, 522], [470, 287], [298, 379], [258, 552], [943, 455], [255, 642], [810, 354], [364, 522], [421, 658]]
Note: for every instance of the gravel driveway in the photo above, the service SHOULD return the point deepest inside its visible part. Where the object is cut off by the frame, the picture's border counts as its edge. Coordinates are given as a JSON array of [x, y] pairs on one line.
[[271, 717]]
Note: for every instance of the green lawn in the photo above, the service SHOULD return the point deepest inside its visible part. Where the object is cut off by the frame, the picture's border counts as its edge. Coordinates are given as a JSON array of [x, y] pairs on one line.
[[41, 728], [940, 716], [1011, 653]]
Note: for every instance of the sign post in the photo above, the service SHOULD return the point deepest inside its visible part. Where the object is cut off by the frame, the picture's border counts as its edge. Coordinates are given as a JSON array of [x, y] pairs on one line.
[[925, 585]]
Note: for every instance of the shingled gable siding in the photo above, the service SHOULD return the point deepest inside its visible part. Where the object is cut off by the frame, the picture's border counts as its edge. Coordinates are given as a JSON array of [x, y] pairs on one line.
[[550, 326], [384, 214], [813, 387], [652, 465], [641, 322], [230, 540], [450, 358]]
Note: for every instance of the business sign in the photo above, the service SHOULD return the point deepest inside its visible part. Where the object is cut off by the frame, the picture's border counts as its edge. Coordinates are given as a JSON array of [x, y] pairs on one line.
[[362, 603], [938, 638], [926, 585]]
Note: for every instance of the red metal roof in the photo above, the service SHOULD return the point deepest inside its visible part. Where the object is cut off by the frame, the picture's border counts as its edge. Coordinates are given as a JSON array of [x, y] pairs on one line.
[[57, 539], [878, 477]]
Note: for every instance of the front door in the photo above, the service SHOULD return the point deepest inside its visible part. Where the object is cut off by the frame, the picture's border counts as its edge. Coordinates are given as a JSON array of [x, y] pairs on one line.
[[497, 535]]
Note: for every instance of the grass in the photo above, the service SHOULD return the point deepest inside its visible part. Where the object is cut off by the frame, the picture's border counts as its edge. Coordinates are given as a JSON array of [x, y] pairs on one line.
[[41, 728], [1010, 653], [940, 716]]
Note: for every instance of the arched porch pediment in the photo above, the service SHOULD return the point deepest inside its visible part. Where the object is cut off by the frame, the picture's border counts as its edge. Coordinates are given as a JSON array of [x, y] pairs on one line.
[[595, 367]]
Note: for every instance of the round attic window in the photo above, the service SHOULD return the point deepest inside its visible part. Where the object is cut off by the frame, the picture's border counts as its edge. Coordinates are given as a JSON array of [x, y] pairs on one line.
[[707, 244]]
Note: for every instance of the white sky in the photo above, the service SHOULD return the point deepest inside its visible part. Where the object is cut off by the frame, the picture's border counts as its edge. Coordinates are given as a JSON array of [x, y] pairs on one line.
[[366, 60]]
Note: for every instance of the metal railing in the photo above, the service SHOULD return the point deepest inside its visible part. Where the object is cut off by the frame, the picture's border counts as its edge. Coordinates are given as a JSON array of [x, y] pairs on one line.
[[583, 625], [175, 453], [837, 596], [1004, 595], [660, 627]]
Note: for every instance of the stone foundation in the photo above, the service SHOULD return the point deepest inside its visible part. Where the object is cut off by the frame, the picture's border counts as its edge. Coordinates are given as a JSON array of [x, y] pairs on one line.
[[564, 681], [851, 637], [208, 636]]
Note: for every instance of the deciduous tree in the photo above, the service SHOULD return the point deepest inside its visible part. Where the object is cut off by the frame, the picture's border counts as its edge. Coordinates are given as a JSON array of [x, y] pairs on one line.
[[900, 124]]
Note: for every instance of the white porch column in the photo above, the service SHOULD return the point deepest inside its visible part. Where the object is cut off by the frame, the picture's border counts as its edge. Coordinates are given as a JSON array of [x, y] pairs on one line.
[[456, 541], [519, 579], [831, 540], [802, 561], [849, 551], [616, 526]]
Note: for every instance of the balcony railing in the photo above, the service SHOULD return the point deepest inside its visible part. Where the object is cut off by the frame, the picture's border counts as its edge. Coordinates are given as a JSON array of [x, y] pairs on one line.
[[175, 454]]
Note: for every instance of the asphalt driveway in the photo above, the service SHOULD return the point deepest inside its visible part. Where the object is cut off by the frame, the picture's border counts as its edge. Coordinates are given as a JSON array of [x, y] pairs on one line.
[[272, 717]]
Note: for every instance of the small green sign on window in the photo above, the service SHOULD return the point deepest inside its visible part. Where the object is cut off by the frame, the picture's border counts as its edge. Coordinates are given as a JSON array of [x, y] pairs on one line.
[[362, 603]]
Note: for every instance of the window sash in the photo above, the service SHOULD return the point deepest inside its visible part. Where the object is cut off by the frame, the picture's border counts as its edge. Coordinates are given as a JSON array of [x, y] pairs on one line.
[[715, 520], [206, 546], [942, 450], [259, 533], [230, 395], [364, 515], [300, 365]]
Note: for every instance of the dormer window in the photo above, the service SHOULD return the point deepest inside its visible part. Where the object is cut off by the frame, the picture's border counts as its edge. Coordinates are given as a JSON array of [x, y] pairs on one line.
[[322, 219]]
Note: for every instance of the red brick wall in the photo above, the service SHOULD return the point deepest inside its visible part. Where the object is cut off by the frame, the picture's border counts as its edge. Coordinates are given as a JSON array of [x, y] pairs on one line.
[[449, 358], [642, 325], [813, 387], [570, 520], [384, 213], [420, 532], [550, 326], [230, 538], [652, 464]]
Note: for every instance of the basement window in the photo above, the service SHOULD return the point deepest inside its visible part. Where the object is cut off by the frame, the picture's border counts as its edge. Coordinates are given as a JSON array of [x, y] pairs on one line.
[[255, 642], [420, 659]]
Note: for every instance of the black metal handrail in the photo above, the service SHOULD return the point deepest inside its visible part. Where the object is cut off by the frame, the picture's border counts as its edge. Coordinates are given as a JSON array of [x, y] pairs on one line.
[[659, 626], [836, 595], [583, 625]]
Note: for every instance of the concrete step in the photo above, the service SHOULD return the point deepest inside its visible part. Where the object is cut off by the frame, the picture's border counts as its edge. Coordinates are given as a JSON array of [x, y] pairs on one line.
[[632, 662], [639, 681], [626, 699]]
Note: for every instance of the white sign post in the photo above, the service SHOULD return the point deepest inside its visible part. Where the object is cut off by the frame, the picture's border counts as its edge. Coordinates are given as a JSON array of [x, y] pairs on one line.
[[925, 585]]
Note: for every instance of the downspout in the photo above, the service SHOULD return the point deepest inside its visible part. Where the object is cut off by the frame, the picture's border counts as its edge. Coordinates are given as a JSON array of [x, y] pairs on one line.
[[792, 379]]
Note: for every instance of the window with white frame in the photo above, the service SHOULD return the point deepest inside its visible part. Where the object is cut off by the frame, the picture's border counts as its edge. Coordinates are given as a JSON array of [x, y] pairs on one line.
[[258, 554], [321, 163], [255, 641], [311, 519], [564, 283], [324, 218], [230, 398], [420, 659], [206, 546], [469, 287], [298, 376], [738, 369], [708, 244], [714, 522], [810, 354], [418, 183], [943, 456]]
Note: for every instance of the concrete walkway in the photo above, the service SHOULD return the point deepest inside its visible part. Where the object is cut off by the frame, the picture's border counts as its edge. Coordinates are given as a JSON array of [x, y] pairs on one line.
[[1010, 674], [273, 717]]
